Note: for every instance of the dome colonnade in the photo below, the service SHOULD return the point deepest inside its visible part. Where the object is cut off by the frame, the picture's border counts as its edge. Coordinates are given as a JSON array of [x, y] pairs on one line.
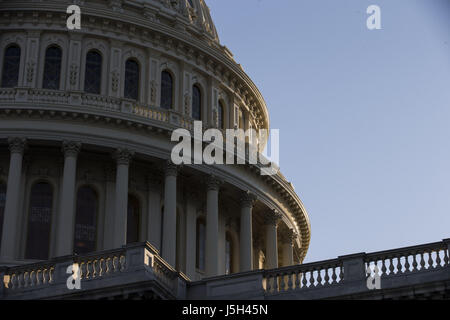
[[85, 124]]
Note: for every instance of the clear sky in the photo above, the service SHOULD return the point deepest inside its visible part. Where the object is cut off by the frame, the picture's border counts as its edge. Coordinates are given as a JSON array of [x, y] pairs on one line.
[[364, 116]]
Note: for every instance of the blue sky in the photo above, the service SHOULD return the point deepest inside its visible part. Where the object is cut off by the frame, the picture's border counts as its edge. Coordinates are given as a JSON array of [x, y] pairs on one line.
[[364, 116]]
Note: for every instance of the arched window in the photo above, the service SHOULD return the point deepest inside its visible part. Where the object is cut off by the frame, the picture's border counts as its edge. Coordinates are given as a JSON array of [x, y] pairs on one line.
[[2, 206], [221, 115], [131, 79], [196, 103], [39, 221], [52, 68], [85, 237], [166, 90], [228, 254], [133, 214], [201, 243], [11, 67], [93, 72]]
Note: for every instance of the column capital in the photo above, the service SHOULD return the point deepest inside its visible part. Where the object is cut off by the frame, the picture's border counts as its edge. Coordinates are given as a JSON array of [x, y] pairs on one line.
[[271, 217], [213, 183], [17, 144], [248, 199], [289, 236], [123, 156], [71, 148], [171, 169]]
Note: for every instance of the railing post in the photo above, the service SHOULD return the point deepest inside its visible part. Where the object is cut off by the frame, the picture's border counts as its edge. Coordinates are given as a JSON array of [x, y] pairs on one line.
[[354, 271], [180, 287], [447, 241], [135, 257]]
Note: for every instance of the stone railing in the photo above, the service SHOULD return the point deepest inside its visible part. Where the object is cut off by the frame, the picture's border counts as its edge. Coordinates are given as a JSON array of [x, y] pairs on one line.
[[399, 271], [29, 276], [47, 97], [132, 266], [305, 276], [409, 260]]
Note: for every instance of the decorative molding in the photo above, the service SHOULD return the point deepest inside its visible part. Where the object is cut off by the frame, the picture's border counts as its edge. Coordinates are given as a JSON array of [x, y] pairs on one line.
[[213, 183], [123, 156], [248, 199], [272, 217]]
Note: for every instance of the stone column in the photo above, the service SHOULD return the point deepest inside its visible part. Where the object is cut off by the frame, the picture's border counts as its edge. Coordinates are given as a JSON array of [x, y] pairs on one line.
[[287, 240], [154, 211], [271, 219], [258, 246], [66, 217], [246, 254], [169, 244], [11, 214], [212, 227], [108, 234], [123, 157], [191, 233]]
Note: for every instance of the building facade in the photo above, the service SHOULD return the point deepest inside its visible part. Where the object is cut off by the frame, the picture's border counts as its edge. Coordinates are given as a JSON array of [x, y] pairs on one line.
[[86, 118]]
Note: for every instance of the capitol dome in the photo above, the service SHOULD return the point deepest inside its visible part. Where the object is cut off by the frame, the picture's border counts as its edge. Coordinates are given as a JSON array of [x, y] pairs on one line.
[[86, 118]]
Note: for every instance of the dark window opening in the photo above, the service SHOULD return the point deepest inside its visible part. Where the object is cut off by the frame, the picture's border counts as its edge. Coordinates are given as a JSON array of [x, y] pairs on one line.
[[11, 67], [52, 68], [166, 90], [39, 222], [93, 73], [85, 237]]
